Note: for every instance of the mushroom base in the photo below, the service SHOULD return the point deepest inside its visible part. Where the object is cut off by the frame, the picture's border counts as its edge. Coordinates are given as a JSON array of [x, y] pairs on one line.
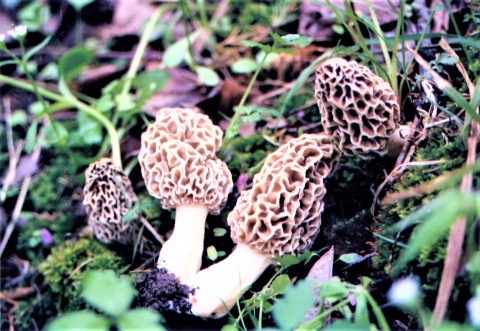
[[160, 290]]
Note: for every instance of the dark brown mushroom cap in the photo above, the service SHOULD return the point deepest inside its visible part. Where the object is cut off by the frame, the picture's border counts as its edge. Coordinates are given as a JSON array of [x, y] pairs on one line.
[[185, 125], [179, 175], [359, 110], [280, 214], [108, 196]]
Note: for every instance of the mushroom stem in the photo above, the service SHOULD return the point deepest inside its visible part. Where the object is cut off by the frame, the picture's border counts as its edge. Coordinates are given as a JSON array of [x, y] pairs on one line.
[[218, 287], [182, 252]]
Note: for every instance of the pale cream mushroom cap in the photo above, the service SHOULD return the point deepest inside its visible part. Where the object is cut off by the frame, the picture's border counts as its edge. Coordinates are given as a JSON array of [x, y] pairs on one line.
[[359, 110], [280, 214], [178, 175], [185, 125], [108, 196]]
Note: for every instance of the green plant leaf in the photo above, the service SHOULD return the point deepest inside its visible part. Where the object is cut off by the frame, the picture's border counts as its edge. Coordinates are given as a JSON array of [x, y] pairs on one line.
[[79, 4], [55, 133], [212, 253], [140, 319], [265, 48], [90, 129], [176, 52], [219, 232], [71, 63], [31, 137], [79, 320], [296, 40], [290, 311], [154, 80], [281, 283], [229, 328], [107, 292], [350, 258], [243, 66], [104, 104], [436, 218], [207, 76], [334, 288]]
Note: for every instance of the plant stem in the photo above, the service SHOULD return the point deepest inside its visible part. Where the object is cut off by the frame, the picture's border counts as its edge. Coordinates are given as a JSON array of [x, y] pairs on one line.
[[142, 45], [382, 322], [75, 103]]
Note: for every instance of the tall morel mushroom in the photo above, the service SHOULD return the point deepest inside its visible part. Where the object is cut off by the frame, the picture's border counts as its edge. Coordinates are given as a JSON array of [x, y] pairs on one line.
[[178, 163], [108, 196], [359, 110], [279, 215]]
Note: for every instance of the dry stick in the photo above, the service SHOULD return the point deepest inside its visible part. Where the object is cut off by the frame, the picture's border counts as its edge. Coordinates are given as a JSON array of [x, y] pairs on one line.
[[457, 232]]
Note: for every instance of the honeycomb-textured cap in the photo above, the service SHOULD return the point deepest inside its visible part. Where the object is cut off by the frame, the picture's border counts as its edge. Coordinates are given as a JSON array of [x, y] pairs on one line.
[[359, 110], [108, 196], [185, 125], [179, 175], [280, 214]]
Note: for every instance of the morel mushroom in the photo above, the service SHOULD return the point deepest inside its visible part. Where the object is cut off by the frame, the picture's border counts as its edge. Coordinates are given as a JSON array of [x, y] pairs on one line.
[[359, 110], [108, 196], [180, 168], [279, 215]]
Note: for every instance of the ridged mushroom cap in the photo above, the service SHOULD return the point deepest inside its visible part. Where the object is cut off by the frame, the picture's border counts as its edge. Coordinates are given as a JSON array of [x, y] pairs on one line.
[[280, 214], [359, 110], [108, 196], [185, 125], [179, 175]]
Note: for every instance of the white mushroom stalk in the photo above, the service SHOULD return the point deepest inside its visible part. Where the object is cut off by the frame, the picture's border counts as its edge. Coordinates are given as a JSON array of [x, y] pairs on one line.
[[182, 252], [279, 215], [179, 166]]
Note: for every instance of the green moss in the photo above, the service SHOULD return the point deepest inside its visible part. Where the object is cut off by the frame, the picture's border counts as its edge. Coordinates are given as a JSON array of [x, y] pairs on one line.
[[428, 264], [248, 152], [65, 267]]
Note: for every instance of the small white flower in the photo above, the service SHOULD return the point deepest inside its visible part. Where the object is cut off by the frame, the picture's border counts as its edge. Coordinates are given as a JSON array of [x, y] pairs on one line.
[[18, 31], [473, 308], [405, 293], [2, 37]]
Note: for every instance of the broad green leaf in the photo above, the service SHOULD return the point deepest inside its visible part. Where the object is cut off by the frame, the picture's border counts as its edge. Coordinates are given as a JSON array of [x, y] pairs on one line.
[[78, 321], [18, 117], [212, 253], [140, 319], [49, 72], [55, 133], [281, 283], [243, 66], [229, 328], [79, 4], [342, 325], [288, 260], [207, 76], [361, 310], [350, 258], [31, 137], [104, 104], [107, 292], [71, 63], [334, 288], [296, 40], [152, 80], [176, 52], [290, 311], [219, 232], [124, 102], [265, 48], [437, 216], [90, 129]]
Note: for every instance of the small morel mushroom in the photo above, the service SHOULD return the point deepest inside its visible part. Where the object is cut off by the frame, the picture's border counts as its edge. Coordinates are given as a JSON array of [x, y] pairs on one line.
[[279, 215], [108, 196], [359, 110], [180, 168]]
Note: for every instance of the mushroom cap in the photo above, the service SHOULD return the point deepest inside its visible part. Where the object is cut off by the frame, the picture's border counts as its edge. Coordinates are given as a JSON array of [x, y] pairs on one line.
[[108, 195], [280, 214], [185, 125], [359, 110], [179, 175]]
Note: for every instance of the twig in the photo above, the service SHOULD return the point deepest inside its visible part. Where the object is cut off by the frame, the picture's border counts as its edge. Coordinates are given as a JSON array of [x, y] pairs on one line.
[[16, 213], [152, 230]]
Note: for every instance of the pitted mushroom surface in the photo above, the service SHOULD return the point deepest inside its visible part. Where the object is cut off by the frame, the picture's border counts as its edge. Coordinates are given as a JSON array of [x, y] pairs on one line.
[[108, 196], [359, 110], [279, 215], [182, 124]]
